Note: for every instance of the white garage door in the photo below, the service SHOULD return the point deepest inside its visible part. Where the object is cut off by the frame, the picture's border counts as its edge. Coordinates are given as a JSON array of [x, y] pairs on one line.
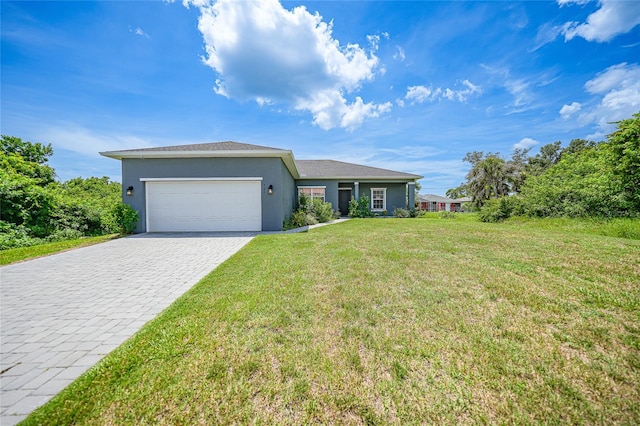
[[203, 205]]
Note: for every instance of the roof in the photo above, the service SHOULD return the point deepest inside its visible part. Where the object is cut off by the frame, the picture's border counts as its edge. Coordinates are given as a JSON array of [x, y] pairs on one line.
[[299, 169], [436, 198], [201, 147], [331, 169]]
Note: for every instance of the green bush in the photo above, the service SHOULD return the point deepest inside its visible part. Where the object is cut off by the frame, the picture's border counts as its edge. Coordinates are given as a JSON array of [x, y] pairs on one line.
[[499, 209], [402, 213], [360, 207], [125, 217], [14, 236]]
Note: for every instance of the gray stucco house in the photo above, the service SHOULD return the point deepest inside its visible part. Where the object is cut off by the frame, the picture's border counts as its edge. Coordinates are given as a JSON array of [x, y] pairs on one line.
[[231, 186]]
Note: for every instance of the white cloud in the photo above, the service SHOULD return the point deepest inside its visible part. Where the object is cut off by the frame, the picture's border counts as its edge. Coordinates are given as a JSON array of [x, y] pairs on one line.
[[139, 31], [266, 53], [84, 141], [616, 92], [568, 110], [614, 17], [399, 55], [420, 94], [525, 143]]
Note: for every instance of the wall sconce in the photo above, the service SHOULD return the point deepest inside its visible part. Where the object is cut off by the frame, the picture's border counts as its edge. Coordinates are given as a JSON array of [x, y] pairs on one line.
[[130, 191], [270, 190]]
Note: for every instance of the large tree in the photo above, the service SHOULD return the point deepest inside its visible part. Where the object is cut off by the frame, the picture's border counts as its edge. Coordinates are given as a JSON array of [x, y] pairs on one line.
[[490, 177], [625, 148]]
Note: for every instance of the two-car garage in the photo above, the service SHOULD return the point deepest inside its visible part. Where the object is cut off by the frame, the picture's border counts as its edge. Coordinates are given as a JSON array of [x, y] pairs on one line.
[[206, 204]]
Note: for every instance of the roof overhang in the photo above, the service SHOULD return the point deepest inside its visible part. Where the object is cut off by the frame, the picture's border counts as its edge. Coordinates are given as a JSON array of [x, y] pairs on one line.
[[367, 179], [285, 155]]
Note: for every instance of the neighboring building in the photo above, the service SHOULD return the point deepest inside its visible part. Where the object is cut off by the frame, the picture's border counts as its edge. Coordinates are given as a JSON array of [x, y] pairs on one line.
[[437, 203], [231, 186]]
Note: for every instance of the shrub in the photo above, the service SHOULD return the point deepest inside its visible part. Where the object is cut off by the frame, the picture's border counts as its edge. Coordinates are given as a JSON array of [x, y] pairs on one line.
[[398, 212], [64, 235], [360, 207], [125, 217], [14, 236], [499, 209]]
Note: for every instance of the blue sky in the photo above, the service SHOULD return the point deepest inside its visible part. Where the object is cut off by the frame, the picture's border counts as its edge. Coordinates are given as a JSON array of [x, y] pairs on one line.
[[409, 86]]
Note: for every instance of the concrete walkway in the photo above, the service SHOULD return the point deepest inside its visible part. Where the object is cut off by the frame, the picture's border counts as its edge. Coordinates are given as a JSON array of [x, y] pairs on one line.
[[61, 314]]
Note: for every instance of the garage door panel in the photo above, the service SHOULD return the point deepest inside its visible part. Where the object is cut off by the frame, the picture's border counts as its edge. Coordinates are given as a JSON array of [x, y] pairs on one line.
[[174, 206]]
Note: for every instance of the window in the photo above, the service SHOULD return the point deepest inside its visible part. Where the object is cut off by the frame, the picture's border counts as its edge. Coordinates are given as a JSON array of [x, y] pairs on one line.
[[378, 199], [312, 192]]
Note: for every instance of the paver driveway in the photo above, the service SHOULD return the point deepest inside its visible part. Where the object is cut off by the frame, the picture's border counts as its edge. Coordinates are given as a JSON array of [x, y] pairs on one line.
[[61, 314]]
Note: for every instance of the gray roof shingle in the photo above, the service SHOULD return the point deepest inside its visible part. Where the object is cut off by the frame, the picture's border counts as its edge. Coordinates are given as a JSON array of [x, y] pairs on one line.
[[212, 146], [337, 169]]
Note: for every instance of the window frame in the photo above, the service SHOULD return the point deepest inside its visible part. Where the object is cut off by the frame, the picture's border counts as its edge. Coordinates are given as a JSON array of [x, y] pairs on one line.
[[384, 200], [312, 195]]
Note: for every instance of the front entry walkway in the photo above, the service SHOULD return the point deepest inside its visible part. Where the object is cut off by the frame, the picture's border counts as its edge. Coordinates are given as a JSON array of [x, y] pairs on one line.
[[61, 314]]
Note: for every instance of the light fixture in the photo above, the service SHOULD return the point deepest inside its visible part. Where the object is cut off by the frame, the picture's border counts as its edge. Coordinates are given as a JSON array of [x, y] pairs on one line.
[[130, 191], [270, 190]]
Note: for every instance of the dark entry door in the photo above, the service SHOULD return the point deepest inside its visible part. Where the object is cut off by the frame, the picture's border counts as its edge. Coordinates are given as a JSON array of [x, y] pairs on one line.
[[344, 196]]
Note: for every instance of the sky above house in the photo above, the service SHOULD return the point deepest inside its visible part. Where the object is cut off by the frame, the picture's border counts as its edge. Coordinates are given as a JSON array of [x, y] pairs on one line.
[[408, 86]]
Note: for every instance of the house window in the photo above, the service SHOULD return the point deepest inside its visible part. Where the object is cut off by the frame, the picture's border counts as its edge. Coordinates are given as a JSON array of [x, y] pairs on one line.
[[312, 192], [378, 199]]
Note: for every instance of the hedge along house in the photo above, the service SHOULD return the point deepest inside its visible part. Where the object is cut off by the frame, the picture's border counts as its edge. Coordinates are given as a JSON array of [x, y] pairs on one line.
[[231, 186]]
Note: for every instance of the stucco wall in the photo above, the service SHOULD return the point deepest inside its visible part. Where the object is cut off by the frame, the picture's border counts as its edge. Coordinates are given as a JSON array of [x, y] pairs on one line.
[[272, 171], [396, 194]]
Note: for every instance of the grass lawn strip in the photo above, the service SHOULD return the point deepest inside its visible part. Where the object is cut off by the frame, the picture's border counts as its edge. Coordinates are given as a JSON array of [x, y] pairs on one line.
[[26, 253], [386, 321]]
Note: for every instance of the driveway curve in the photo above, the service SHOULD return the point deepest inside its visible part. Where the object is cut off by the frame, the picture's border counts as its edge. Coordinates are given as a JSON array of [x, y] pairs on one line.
[[61, 314]]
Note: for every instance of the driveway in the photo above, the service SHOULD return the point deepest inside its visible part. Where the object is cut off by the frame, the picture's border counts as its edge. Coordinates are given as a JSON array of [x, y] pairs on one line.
[[61, 314]]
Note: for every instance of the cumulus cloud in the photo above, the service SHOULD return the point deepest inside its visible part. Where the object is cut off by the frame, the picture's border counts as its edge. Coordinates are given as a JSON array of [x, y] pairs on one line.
[[568, 110], [525, 143], [420, 94], [268, 54], [614, 17], [616, 96]]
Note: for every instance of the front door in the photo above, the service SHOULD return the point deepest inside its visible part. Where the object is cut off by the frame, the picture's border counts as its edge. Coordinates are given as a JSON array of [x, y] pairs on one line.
[[344, 196]]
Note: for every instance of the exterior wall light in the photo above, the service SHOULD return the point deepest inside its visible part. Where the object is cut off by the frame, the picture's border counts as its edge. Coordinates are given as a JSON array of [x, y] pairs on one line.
[[270, 190], [130, 191]]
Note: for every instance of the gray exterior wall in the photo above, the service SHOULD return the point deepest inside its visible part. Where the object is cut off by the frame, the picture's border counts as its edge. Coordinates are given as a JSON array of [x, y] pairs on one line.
[[330, 193], [396, 192], [275, 208]]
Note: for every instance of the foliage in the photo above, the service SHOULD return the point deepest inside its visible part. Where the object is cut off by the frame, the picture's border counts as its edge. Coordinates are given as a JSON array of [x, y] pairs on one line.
[[625, 149], [579, 185], [458, 192], [36, 208], [490, 177], [401, 213], [583, 179], [310, 212], [360, 208], [125, 217], [497, 210]]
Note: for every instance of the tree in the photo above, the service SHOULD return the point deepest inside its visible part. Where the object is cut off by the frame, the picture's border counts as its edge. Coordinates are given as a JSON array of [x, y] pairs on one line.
[[624, 144], [490, 177], [31, 152], [458, 192]]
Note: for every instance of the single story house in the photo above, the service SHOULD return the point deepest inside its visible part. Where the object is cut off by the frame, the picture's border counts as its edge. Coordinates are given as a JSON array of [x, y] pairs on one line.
[[231, 186], [437, 203]]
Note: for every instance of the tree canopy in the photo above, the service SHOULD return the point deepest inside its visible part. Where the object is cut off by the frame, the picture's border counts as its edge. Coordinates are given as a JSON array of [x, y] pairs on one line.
[[36, 208], [585, 178]]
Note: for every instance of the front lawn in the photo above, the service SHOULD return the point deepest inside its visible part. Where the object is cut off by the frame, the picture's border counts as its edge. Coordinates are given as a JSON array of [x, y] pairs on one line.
[[387, 321]]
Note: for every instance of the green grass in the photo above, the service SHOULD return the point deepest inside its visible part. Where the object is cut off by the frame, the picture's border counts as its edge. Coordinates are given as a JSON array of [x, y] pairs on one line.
[[25, 253], [386, 321]]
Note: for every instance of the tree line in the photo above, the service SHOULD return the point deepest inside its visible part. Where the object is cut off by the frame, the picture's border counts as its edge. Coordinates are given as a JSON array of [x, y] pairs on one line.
[[36, 208], [583, 179]]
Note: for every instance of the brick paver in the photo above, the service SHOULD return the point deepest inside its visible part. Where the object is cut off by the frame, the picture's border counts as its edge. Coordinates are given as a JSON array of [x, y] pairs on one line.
[[61, 314]]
